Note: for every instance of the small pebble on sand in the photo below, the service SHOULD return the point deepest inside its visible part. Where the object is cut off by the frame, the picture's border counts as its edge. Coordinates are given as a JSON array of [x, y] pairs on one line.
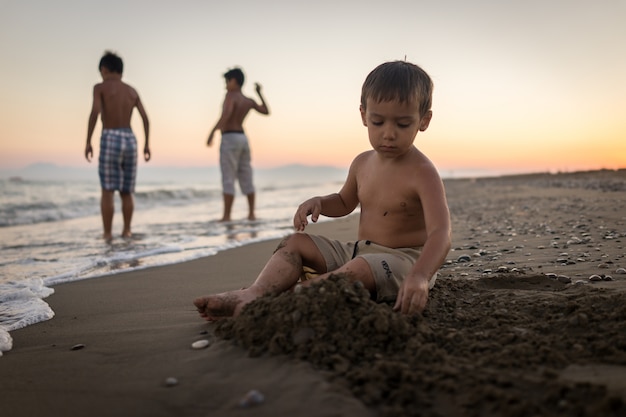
[[252, 398], [171, 381], [200, 344]]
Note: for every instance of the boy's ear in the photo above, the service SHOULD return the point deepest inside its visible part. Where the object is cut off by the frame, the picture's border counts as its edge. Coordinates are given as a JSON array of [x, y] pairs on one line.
[[425, 121], [362, 110]]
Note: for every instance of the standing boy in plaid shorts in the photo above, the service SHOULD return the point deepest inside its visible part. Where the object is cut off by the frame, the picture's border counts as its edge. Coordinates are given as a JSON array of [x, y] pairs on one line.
[[117, 163]]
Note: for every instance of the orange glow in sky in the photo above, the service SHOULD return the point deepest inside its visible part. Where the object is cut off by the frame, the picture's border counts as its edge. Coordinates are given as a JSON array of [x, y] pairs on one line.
[[525, 86]]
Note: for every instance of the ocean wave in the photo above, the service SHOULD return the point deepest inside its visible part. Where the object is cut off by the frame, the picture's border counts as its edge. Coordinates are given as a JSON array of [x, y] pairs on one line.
[[32, 203]]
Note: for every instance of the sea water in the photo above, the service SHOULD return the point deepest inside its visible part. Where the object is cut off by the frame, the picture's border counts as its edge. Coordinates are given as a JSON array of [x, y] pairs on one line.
[[51, 230]]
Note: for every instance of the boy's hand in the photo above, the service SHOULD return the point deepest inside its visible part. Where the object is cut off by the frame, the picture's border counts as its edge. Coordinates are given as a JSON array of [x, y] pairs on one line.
[[312, 207], [88, 152], [257, 87], [146, 153], [412, 295]]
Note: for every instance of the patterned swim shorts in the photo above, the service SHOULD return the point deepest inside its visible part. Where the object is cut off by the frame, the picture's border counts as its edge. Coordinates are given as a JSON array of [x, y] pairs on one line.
[[118, 160]]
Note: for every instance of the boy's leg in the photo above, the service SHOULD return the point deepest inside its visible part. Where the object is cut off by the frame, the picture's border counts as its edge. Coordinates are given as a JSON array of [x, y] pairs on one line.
[[251, 215], [281, 273], [228, 205], [107, 207], [128, 206]]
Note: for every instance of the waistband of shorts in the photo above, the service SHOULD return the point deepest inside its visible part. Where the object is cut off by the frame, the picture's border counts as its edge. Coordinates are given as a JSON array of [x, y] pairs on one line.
[[226, 132], [369, 242], [118, 130]]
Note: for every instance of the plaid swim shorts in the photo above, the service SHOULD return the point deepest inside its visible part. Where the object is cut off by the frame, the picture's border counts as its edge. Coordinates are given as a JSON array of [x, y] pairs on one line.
[[117, 163]]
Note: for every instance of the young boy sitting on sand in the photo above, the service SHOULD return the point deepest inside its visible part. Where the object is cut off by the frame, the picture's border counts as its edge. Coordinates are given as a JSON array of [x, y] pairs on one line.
[[404, 227]]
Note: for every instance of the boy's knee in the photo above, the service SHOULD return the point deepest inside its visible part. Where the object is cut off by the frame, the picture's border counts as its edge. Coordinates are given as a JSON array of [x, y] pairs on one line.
[[292, 241], [358, 269]]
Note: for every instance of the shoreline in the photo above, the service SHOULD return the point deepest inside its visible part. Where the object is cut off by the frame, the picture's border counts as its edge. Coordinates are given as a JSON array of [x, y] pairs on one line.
[[137, 327]]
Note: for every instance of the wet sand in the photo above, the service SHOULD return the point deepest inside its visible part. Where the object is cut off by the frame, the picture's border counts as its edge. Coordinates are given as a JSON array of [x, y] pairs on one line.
[[514, 326]]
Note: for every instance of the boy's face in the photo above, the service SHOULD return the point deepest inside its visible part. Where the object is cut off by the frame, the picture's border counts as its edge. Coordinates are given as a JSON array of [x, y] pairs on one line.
[[392, 126]]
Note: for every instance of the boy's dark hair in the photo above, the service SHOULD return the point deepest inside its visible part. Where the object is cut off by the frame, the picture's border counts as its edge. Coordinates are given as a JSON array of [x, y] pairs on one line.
[[235, 73], [398, 80], [112, 62]]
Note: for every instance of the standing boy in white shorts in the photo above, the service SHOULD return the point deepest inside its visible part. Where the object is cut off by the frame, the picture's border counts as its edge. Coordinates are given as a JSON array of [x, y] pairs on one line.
[[234, 148]]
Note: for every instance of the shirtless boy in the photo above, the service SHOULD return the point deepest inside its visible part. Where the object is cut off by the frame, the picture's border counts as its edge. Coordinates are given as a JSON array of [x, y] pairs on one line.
[[234, 148], [117, 164], [404, 228]]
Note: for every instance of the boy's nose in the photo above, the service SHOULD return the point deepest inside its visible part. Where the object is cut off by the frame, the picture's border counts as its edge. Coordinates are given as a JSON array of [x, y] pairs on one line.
[[389, 133]]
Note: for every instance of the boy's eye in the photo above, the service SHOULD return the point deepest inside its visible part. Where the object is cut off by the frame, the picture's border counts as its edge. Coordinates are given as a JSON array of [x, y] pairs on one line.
[[377, 122], [403, 125]]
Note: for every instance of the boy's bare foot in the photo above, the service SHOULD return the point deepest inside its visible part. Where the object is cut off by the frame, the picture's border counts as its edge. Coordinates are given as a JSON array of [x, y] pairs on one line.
[[227, 304], [251, 217], [224, 219], [126, 233], [107, 236]]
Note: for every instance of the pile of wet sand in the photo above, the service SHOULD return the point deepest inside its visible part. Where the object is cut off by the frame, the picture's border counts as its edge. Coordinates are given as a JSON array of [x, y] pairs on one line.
[[480, 349]]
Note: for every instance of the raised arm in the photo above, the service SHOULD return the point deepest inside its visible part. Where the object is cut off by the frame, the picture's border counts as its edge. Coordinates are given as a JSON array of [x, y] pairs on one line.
[[262, 108]]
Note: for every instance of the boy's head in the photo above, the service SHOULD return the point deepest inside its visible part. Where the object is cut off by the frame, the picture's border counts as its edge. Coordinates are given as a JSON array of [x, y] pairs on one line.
[[111, 62], [236, 74], [398, 80]]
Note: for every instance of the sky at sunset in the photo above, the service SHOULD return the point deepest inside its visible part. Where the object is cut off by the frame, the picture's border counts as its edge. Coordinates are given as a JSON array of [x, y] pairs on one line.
[[519, 86]]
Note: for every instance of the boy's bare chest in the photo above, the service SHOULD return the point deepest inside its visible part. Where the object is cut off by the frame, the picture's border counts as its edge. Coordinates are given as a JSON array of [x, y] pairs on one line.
[[388, 195]]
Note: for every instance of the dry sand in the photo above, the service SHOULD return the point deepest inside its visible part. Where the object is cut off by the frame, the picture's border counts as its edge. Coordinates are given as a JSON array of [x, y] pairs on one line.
[[514, 326]]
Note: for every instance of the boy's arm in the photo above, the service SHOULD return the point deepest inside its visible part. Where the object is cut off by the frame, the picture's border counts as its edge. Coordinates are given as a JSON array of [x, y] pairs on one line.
[[96, 107], [333, 205], [227, 109], [262, 108], [413, 292], [146, 129]]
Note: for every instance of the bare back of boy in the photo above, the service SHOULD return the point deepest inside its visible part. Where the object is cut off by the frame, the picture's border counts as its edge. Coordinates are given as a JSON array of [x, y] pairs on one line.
[[236, 108], [118, 100]]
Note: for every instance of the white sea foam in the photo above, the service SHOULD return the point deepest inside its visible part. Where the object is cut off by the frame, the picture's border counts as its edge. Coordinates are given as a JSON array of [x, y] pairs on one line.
[[21, 304]]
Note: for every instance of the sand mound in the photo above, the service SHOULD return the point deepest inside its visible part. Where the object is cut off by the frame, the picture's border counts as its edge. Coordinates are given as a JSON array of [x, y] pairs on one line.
[[488, 347]]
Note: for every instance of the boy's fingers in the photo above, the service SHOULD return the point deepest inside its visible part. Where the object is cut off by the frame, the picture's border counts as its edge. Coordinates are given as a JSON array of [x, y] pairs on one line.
[[398, 302], [316, 214]]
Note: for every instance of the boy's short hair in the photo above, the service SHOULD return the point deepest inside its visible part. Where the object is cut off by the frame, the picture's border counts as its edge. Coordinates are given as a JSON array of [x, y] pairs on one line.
[[235, 73], [112, 62], [398, 80]]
